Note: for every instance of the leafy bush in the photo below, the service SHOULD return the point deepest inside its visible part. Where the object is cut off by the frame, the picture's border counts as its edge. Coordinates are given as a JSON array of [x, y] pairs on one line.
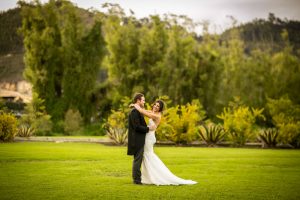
[[239, 121], [115, 125], [73, 121], [164, 130], [269, 137], [43, 125], [58, 126], [180, 123], [25, 131], [8, 127], [211, 134], [36, 116], [116, 128], [286, 117]]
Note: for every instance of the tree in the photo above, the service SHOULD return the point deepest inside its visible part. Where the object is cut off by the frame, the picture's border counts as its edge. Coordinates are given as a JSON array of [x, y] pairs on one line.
[[122, 44], [285, 73], [62, 56], [152, 50], [179, 64], [207, 76]]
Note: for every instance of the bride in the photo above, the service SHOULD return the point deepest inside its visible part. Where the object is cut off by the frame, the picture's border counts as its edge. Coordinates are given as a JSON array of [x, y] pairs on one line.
[[154, 170]]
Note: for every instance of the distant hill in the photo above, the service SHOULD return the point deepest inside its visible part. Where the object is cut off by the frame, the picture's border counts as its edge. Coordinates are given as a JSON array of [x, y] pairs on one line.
[[11, 67], [10, 40], [266, 34], [11, 46], [11, 43]]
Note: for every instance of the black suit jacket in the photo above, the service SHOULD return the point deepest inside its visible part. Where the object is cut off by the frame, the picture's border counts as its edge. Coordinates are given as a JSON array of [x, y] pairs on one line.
[[137, 129]]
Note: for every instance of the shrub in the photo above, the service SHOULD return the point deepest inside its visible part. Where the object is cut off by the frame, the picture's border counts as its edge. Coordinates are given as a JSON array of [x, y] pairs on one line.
[[269, 137], [164, 130], [180, 125], [43, 125], [36, 116], [115, 127], [58, 126], [211, 134], [286, 117], [73, 121], [239, 121], [8, 127]]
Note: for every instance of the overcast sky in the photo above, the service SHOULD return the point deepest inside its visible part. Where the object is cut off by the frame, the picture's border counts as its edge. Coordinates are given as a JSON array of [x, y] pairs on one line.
[[215, 11]]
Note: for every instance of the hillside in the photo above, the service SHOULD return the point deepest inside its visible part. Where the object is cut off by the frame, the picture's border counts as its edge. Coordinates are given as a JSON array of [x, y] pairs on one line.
[[10, 40], [11, 67], [266, 34], [11, 44]]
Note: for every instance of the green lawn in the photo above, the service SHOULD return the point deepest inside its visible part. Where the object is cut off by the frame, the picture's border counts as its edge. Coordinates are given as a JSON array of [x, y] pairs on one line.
[[92, 171]]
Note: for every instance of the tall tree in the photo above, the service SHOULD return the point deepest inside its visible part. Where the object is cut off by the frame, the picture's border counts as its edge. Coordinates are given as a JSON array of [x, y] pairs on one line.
[[122, 43], [285, 73], [43, 51], [62, 56], [179, 63], [152, 50], [207, 75]]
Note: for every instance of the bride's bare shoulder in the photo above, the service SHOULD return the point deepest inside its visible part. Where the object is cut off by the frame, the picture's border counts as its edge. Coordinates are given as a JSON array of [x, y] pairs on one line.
[[157, 119]]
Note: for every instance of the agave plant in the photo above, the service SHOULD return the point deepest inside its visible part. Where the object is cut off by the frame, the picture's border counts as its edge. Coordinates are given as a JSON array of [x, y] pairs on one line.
[[119, 136], [212, 134], [25, 131], [269, 137]]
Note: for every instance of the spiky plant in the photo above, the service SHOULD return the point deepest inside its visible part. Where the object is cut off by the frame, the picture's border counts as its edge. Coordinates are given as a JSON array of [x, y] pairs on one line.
[[25, 131], [119, 136], [211, 134], [269, 137]]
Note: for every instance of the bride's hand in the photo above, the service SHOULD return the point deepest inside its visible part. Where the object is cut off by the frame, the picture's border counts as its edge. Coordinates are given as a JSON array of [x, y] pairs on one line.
[[134, 105]]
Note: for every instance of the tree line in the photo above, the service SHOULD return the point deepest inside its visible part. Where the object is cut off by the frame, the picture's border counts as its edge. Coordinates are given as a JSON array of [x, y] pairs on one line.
[[65, 56]]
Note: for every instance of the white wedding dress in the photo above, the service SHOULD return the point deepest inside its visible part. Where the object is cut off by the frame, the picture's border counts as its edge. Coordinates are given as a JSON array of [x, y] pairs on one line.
[[153, 169]]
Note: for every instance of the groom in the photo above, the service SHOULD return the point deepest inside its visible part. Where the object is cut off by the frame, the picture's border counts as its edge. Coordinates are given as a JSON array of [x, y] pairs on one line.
[[137, 129]]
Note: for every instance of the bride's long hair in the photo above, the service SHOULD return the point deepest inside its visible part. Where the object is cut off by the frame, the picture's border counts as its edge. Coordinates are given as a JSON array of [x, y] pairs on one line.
[[161, 105]]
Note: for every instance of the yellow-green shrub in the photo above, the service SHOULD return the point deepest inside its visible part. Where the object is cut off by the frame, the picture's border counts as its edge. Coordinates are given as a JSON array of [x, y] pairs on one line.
[[8, 127], [239, 121], [286, 117], [116, 128], [164, 131], [180, 123]]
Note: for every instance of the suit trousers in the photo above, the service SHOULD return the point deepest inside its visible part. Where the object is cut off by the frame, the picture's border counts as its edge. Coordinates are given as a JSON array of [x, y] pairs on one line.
[[136, 166]]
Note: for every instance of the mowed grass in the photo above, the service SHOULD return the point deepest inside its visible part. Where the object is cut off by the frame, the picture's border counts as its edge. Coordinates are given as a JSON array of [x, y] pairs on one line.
[[59, 171]]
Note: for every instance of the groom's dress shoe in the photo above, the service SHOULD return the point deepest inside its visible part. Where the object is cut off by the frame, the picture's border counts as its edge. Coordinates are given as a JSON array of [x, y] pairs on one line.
[[138, 183]]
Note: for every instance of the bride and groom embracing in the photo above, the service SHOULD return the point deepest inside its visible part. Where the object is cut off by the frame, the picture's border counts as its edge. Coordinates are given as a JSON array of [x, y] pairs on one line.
[[141, 139]]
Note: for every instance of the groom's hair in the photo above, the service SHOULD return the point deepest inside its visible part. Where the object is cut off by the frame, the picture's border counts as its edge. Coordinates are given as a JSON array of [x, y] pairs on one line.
[[137, 96]]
